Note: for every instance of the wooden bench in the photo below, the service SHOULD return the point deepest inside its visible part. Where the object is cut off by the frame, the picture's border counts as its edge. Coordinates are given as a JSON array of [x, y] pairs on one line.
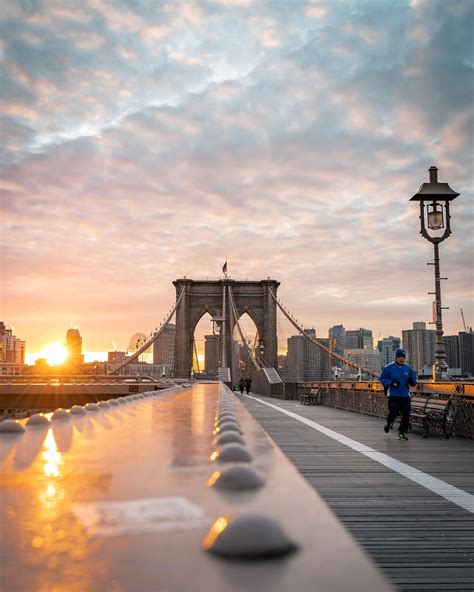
[[310, 398], [433, 411]]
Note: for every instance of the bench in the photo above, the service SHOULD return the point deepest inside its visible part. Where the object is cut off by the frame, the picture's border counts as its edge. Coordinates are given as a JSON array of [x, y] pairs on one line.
[[310, 398], [433, 411]]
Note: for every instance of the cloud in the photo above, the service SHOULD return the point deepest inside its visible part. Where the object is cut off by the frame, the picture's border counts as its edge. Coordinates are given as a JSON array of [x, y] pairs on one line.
[[144, 141]]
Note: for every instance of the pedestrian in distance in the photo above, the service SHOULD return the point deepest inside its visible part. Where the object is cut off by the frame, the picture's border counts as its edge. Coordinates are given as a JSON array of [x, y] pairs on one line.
[[241, 385], [397, 378], [248, 382]]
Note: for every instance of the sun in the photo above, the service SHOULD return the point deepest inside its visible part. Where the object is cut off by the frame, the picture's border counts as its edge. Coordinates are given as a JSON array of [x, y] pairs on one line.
[[55, 353]]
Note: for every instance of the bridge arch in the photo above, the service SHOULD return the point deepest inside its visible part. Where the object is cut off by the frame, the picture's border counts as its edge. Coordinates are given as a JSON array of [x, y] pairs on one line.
[[242, 363], [199, 297]]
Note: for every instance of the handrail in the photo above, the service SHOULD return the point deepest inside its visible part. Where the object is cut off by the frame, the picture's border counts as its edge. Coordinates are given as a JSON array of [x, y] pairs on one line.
[[424, 387]]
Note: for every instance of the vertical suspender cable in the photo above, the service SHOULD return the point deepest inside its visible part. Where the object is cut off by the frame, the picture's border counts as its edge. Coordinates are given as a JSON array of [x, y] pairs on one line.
[[153, 338], [242, 335], [295, 323]]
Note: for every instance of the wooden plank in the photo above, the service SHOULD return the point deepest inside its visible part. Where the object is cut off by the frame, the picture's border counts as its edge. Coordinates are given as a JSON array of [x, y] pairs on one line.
[[420, 540]]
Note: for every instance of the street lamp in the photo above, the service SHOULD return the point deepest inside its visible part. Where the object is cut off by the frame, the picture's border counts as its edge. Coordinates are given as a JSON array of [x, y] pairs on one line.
[[434, 201]]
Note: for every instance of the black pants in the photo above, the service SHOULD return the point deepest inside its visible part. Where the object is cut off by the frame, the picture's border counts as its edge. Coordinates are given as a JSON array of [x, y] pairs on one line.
[[400, 405]]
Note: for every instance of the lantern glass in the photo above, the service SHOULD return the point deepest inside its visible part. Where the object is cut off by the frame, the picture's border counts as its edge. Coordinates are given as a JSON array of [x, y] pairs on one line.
[[435, 217]]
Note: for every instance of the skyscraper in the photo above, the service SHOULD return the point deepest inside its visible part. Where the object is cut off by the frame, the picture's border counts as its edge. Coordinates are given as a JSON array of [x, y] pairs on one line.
[[336, 336], [211, 353], [386, 349], [466, 352], [295, 358], [451, 345], [12, 349], [163, 348], [365, 358], [358, 339], [305, 360], [420, 344], [12, 352], [74, 347]]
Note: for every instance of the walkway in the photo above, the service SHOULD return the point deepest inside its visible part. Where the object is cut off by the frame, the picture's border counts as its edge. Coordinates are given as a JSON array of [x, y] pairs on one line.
[[127, 497], [421, 540]]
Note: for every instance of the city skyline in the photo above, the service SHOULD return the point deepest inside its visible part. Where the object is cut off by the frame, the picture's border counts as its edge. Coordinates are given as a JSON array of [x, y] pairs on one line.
[[57, 352], [145, 143]]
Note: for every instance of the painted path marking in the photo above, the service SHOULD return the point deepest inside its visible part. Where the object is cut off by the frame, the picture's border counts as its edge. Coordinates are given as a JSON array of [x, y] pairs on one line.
[[453, 494]]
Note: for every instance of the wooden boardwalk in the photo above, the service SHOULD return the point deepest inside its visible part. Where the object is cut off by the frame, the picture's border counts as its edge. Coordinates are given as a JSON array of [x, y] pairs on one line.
[[419, 539]]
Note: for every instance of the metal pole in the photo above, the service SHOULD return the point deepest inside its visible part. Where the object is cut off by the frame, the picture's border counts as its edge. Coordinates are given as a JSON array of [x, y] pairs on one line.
[[440, 366]]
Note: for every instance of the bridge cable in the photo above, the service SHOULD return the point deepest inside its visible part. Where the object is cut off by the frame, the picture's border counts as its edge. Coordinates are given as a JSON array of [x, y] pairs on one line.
[[152, 340], [331, 353], [196, 355], [256, 365]]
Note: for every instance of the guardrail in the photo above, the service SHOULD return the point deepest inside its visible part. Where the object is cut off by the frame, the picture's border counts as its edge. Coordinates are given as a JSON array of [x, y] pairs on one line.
[[80, 378], [369, 398], [19, 400]]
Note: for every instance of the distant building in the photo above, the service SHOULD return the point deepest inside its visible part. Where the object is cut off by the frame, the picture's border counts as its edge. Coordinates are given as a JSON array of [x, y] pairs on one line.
[[358, 339], [305, 360], [365, 358], [163, 348], [74, 345], [451, 345], [12, 349], [419, 343], [211, 353], [460, 353], [116, 357], [336, 336], [295, 358], [10, 369], [12, 353], [386, 348], [75, 358], [466, 352], [318, 363]]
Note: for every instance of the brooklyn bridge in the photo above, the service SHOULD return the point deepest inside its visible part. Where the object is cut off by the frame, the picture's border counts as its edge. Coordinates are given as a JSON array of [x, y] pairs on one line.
[[124, 482]]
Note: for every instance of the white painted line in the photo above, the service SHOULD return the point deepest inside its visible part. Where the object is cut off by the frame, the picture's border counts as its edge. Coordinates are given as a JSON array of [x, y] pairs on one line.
[[453, 494]]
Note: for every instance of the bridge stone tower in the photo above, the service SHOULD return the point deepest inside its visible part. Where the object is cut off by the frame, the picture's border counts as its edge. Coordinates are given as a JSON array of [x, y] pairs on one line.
[[251, 297]]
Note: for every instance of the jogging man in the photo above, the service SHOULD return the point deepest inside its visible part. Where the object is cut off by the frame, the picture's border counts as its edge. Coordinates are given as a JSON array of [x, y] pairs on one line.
[[397, 377]]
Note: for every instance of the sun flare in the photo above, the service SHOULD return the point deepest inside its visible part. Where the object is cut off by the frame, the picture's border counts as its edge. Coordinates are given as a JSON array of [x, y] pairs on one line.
[[55, 353]]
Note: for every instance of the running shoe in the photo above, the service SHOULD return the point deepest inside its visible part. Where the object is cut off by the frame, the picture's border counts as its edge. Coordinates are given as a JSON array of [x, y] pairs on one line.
[[386, 427], [402, 436]]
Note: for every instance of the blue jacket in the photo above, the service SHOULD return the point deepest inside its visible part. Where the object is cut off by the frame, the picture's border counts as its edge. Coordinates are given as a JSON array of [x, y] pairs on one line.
[[404, 375]]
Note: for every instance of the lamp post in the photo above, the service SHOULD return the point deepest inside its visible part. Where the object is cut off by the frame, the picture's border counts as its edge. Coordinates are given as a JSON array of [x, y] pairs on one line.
[[434, 198]]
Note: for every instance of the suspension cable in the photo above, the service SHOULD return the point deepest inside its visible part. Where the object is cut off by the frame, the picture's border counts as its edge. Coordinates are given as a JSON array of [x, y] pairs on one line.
[[196, 354], [153, 338], [331, 353], [241, 332]]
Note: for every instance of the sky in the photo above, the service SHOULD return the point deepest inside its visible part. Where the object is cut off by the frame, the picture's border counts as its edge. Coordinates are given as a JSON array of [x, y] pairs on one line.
[[143, 141]]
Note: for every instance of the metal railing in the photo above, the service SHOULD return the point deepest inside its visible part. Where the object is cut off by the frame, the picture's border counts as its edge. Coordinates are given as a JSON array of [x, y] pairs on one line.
[[369, 398]]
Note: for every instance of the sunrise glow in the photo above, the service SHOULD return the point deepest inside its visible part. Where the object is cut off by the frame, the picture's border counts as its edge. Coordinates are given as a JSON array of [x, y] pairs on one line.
[[55, 353]]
